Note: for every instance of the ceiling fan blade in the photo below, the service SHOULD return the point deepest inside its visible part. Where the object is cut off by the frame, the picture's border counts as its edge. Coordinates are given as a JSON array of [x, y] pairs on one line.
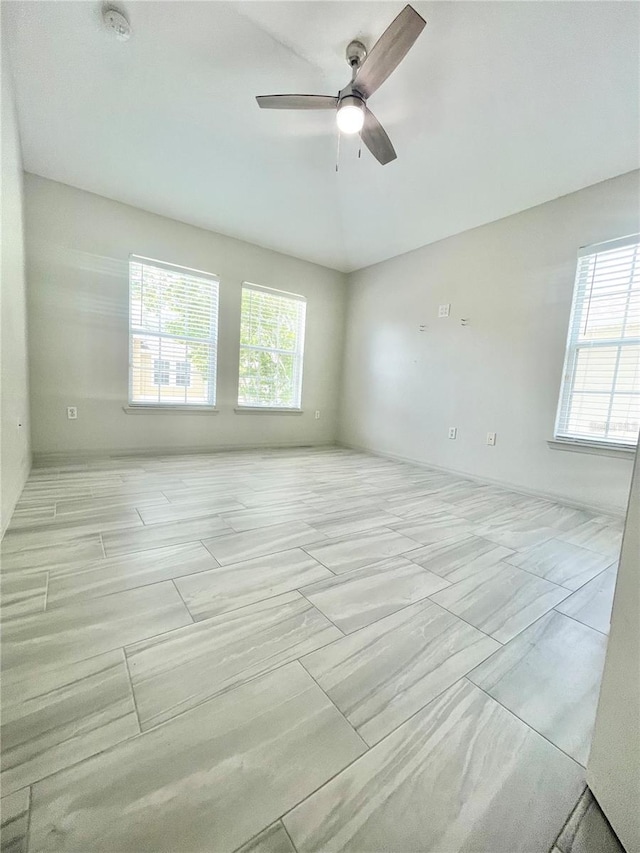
[[297, 102], [389, 51], [375, 138]]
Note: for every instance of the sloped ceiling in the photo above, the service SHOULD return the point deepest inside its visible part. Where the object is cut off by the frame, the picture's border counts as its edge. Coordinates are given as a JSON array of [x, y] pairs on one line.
[[499, 106]]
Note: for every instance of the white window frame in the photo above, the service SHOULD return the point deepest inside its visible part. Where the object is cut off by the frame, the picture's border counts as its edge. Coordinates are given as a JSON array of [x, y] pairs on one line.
[[211, 341], [574, 344], [298, 353]]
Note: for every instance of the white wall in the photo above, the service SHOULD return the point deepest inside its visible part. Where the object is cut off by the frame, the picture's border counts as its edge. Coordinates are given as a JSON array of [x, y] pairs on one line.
[[78, 246], [15, 454], [513, 280], [613, 771]]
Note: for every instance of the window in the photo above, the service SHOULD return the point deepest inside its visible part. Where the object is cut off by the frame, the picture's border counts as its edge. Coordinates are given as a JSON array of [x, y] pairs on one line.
[[173, 323], [183, 373], [161, 371], [600, 394], [271, 348]]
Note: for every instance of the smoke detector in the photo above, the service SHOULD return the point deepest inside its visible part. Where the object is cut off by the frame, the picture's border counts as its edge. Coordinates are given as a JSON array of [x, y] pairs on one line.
[[117, 23]]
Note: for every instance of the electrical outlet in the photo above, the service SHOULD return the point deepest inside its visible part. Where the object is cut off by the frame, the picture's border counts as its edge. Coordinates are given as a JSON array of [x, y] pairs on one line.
[[443, 310], [72, 413], [491, 438], [453, 432], [317, 414]]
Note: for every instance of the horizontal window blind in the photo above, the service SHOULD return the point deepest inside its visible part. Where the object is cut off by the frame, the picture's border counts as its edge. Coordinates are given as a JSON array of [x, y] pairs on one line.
[[173, 324], [600, 394], [271, 348]]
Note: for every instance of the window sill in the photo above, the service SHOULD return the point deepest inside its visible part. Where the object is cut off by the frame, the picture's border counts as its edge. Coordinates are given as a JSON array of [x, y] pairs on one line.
[[266, 410], [169, 410], [622, 452]]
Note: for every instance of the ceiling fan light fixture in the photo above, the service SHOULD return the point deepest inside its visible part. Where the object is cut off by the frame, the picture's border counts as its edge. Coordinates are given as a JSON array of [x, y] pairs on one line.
[[350, 115]]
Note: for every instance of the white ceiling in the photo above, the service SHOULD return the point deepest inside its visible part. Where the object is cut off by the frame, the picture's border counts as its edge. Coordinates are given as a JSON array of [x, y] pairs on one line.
[[498, 106]]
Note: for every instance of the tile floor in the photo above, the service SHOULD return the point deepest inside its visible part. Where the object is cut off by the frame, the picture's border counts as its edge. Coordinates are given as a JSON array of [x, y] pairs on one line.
[[297, 650]]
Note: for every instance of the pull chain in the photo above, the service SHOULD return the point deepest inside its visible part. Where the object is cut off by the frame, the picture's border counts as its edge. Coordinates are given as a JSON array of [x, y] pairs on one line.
[[338, 151]]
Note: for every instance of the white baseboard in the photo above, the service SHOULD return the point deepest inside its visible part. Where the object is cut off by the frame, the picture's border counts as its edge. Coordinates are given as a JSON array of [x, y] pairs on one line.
[[600, 509], [70, 457]]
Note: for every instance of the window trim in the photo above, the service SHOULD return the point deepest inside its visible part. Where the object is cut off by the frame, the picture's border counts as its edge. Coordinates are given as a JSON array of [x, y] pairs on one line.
[[251, 408], [563, 441], [210, 404]]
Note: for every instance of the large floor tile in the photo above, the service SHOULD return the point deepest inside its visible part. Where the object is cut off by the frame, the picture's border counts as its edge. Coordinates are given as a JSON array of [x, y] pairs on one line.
[[592, 604], [273, 839], [167, 513], [501, 600], [207, 781], [14, 822], [385, 672], [357, 598], [252, 519], [115, 574], [237, 547], [461, 776], [338, 524], [64, 715], [549, 676], [515, 532], [63, 528], [160, 535], [560, 562], [435, 528], [22, 593], [228, 588], [600, 534], [36, 643], [456, 559], [361, 549], [35, 559], [186, 667]]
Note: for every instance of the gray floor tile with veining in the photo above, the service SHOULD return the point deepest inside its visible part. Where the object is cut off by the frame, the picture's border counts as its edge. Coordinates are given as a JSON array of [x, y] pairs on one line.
[[160, 535], [383, 673], [14, 822], [35, 559], [361, 549], [357, 598], [603, 535], [186, 667], [501, 600], [37, 642], [549, 676], [234, 586], [237, 547], [456, 560], [458, 776], [115, 574], [517, 533], [168, 513], [207, 781], [592, 604], [560, 562], [215, 782], [63, 716], [22, 593], [437, 527], [273, 839]]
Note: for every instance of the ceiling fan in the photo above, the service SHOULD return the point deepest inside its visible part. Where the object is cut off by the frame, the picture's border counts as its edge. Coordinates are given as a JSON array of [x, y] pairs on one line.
[[369, 70]]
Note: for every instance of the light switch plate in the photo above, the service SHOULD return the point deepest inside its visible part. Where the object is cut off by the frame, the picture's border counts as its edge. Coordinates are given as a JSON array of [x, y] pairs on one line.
[[72, 413], [491, 438]]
